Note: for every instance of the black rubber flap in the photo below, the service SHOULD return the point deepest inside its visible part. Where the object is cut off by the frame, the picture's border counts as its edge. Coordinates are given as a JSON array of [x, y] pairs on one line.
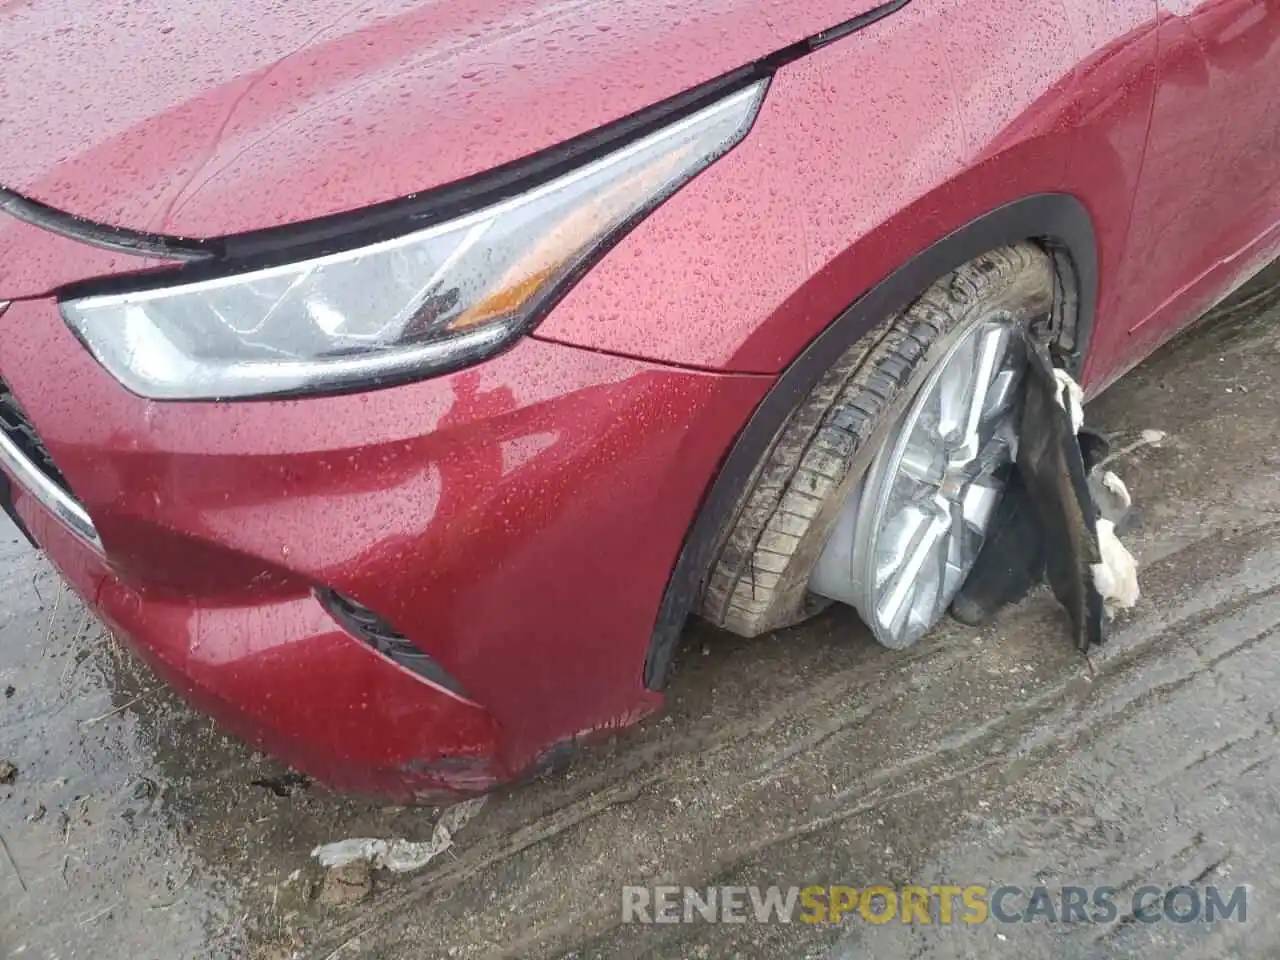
[[1046, 524], [6, 504], [1053, 471]]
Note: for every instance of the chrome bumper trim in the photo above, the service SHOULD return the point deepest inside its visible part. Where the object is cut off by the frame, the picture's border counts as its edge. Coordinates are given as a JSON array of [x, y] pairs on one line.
[[56, 500]]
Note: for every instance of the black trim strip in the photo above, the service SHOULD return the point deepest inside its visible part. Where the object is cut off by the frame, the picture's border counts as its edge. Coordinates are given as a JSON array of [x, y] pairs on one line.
[[418, 211], [363, 623], [1058, 220], [441, 204], [11, 511], [329, 234], [115, 239], [454, 360], [819, 40]]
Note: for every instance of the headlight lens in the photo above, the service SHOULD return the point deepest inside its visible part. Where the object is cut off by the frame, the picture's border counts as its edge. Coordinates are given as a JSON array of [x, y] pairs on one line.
[[401, 308]]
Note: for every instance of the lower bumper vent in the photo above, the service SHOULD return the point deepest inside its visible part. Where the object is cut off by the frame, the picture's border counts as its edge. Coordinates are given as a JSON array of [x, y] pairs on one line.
[[395, 646]]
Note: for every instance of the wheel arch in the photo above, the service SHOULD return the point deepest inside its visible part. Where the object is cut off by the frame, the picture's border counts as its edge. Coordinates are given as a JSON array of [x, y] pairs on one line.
[[1058, 222]]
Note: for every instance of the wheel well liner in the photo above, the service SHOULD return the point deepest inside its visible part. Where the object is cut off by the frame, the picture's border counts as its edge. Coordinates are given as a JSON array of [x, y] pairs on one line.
[[1057, 221]]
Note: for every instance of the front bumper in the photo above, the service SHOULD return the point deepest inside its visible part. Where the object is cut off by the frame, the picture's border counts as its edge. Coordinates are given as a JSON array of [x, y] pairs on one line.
[[517, 521]]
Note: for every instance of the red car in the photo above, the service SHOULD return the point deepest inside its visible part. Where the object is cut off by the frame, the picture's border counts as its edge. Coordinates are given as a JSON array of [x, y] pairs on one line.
[[400, 377]]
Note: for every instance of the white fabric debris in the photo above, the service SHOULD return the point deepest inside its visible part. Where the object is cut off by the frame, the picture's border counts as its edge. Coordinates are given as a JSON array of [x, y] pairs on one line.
[[1117, 487], [400, 856], [1110, 495], [1070, 398], [397, 856], [1116, 577]]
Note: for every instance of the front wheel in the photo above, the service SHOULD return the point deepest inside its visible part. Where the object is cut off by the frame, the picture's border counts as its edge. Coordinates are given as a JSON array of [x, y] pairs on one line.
[[879, 488]]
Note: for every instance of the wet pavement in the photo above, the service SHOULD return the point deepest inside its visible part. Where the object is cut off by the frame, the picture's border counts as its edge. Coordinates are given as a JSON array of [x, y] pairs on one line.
[[132, 828]]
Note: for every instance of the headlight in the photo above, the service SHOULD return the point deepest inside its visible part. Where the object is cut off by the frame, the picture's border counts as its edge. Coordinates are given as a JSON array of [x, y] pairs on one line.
[[402, 308]]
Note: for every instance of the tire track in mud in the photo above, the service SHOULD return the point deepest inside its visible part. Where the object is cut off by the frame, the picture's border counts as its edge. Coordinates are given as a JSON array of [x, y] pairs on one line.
[[809, 756], [1130, 696], [814, 751], [841, 750]]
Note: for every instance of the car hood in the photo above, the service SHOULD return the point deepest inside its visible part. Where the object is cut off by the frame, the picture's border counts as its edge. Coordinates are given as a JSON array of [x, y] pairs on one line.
[[204, 119]]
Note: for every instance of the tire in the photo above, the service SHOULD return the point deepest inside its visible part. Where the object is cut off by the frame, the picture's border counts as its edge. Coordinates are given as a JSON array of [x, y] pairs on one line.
[[759, 578]]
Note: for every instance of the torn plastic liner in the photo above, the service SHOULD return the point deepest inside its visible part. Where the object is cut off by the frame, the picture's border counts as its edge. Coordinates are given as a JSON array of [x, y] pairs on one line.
[[1047, 523]]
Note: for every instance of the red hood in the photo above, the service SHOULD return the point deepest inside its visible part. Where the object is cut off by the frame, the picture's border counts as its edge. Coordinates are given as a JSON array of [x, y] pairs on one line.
[[200, 119]]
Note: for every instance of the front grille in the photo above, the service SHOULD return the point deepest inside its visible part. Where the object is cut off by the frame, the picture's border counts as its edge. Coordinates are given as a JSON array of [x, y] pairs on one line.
[[16, 426], [377, 633]]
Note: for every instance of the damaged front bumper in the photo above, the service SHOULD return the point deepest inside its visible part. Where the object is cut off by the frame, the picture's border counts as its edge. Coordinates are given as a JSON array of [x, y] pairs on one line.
[[515, 522]]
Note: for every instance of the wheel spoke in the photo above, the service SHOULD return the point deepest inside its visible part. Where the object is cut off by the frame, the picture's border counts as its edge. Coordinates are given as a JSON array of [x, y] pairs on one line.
[[1001, 393], [955, 391], [952, 559], [978, 503], [925, 541], [996, 450], [922, 463], [988, 353]]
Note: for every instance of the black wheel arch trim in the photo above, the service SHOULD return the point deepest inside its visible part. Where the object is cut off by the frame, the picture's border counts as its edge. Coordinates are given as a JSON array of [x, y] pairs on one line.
[[1057, 221]]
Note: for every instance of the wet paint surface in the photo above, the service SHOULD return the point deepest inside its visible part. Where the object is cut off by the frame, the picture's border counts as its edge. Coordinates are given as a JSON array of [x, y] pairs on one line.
[[839, 184], [809, 755], [203, 122], [1206, 210], [469, 510]]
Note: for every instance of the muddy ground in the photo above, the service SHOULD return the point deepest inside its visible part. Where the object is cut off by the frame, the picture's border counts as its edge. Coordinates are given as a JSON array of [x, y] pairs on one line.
[[134, 829]]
